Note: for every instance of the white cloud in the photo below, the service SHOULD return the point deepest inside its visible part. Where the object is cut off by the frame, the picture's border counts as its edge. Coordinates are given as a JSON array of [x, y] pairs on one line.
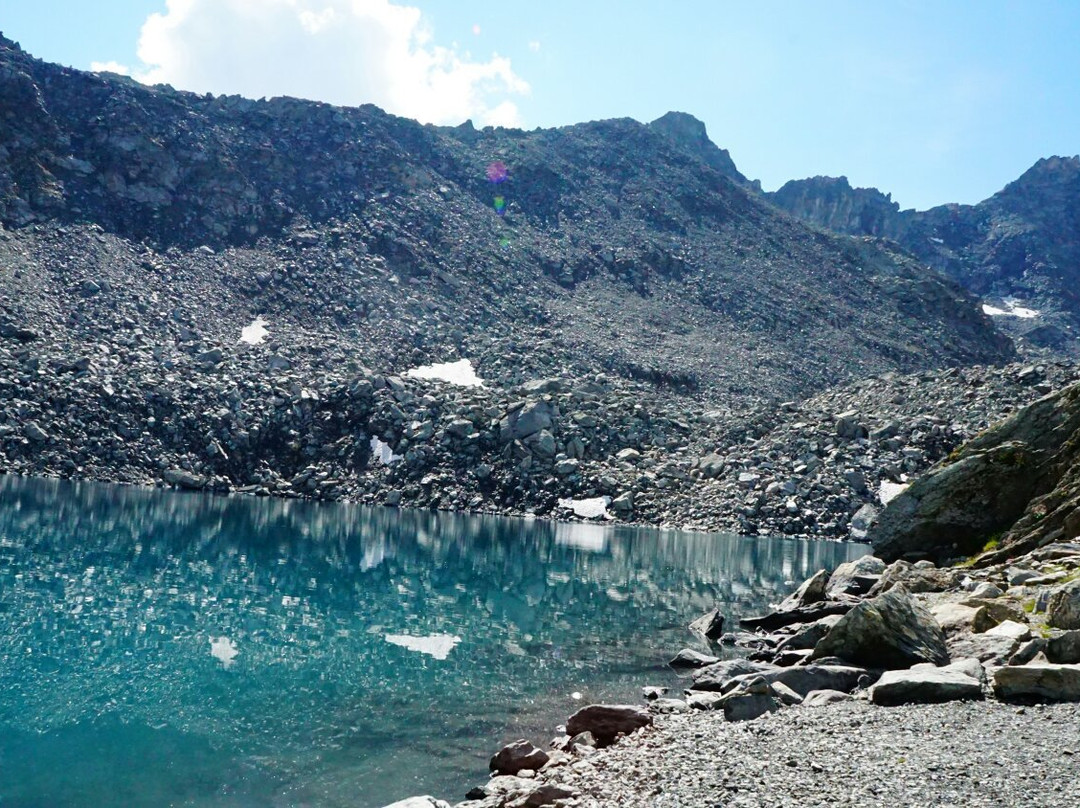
[[346, 52], [110, 67]]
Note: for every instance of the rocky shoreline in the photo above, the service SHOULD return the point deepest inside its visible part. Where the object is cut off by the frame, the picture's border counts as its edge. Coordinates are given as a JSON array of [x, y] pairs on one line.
[[875, 684]]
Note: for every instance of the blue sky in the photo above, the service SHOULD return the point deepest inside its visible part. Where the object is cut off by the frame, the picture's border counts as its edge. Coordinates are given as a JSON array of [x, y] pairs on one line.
[[932, 101]]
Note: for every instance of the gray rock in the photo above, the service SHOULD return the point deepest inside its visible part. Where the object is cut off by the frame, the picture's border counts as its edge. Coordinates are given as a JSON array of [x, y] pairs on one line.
[[1035, 682], [34, 432], [606, 721], [811, 591], [624, 503], [183, 478], [538, 387], [211, 357], [809, 636], [716, 676], [704, 699], [862, 520], [954, 617], [984, 647], [526, 421], [1063, 608], [710, 625], [914, 578], [748, 706], [805, 614], [689, 658], [820, 698], [986, 590], [1010, 629], [889, 631], [516, 756], [1065, 648], [543, 443], [855, 577], [1029, 650], [669, 706], [804, 679], [925, 684]]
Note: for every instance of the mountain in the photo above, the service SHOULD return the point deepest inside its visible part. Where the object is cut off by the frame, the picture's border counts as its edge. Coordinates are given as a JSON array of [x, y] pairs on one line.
[[144, 228], [1019, 250]]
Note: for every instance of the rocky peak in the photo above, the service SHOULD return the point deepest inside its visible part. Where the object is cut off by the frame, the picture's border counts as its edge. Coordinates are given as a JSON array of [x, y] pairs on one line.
[[832, 203], [690, 134]]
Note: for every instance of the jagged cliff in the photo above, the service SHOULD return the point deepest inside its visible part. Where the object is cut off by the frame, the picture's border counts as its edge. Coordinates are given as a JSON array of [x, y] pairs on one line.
[[1020, 245]]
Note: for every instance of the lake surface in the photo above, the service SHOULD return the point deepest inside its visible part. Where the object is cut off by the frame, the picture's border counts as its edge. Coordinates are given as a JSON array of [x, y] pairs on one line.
[[161, 648]]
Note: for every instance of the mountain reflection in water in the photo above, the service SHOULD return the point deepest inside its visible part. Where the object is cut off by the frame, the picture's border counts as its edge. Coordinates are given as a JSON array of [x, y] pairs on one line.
[[158, 647]]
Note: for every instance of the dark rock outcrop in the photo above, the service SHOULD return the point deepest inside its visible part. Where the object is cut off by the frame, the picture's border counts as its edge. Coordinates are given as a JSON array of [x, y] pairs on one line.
[[1018, 484]]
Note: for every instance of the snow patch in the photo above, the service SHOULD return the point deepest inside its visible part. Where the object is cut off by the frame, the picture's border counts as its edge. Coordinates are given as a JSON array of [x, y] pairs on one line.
[[1012, 309], [382, 452], [436, 645], [594, 508], [255, 333], [888, 491], [460, 373], [224, 649]]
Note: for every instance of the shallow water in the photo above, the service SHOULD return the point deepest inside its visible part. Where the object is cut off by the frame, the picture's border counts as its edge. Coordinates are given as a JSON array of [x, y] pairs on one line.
[[162, 648]]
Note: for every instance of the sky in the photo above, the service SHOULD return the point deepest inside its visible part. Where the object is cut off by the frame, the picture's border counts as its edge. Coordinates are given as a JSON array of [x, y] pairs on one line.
[[932, 101]]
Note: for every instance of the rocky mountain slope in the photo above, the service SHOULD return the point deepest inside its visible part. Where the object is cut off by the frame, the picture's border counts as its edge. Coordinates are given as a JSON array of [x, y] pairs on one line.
[[1019, 249], [143, 229]]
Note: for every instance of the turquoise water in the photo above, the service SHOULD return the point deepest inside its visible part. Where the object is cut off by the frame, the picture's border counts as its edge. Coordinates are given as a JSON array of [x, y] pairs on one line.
[[162, 648]]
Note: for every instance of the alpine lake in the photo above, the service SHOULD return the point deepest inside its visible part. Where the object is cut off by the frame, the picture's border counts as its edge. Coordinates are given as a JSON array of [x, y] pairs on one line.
[[175, 649]]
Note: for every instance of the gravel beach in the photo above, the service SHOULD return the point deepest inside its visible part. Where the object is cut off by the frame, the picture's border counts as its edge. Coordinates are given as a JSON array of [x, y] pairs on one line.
[[956, 754]]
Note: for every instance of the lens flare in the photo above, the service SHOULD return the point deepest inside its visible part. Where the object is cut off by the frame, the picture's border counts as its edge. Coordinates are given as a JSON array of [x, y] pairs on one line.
[[500, 205], [497, 173]]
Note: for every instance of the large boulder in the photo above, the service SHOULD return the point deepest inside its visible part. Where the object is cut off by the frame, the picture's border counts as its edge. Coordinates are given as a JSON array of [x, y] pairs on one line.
[[1019, 480], [855, 577], [748, 706], [1063, 608], [527, 420], [811, 591], [950, 511], [1065, 648], [1037, 683], [516, 756], [927, 684], [607, 721], [709, 625], [890, 631]]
